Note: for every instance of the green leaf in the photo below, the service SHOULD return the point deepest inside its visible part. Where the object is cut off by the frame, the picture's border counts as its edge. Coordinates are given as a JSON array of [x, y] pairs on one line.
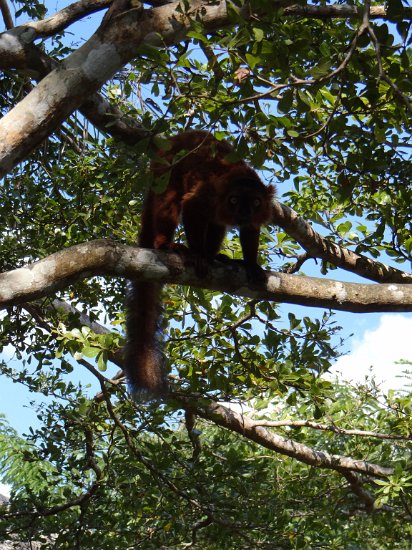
[[89, 351], [286, 101], [252, 60], [321, 69], [102, 361], [258, 34]]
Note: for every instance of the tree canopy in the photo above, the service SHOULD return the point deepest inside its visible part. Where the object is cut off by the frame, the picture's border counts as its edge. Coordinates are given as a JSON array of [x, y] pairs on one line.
[[256, 445]]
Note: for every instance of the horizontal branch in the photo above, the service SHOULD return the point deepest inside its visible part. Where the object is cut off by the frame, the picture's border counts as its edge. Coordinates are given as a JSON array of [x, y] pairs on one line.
[[319, 247], [246, 427], [105, 257], [76, 11]]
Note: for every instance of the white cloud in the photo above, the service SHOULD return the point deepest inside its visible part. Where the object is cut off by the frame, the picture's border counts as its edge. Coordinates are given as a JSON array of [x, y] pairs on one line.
[[4, 490], [379, 348], [8, 352]]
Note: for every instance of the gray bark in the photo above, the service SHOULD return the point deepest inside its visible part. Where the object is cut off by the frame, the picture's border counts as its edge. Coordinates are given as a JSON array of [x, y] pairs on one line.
[[104, 257]]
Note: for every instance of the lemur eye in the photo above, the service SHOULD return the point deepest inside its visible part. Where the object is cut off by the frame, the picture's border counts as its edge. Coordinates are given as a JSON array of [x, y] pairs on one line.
[[257, 202], [233, 200]]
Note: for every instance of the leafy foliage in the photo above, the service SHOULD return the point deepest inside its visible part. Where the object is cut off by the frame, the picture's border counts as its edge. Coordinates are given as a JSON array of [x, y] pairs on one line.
[[323, 110], [154, 488]]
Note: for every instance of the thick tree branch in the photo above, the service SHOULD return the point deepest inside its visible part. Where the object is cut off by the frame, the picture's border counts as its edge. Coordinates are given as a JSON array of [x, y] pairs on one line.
[[241, 424], [319, 247], [104, 257], [76, 11], [88, 68]]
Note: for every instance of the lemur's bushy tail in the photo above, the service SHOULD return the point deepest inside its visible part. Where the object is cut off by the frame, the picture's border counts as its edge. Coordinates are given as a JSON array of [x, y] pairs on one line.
[[144, 360]]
